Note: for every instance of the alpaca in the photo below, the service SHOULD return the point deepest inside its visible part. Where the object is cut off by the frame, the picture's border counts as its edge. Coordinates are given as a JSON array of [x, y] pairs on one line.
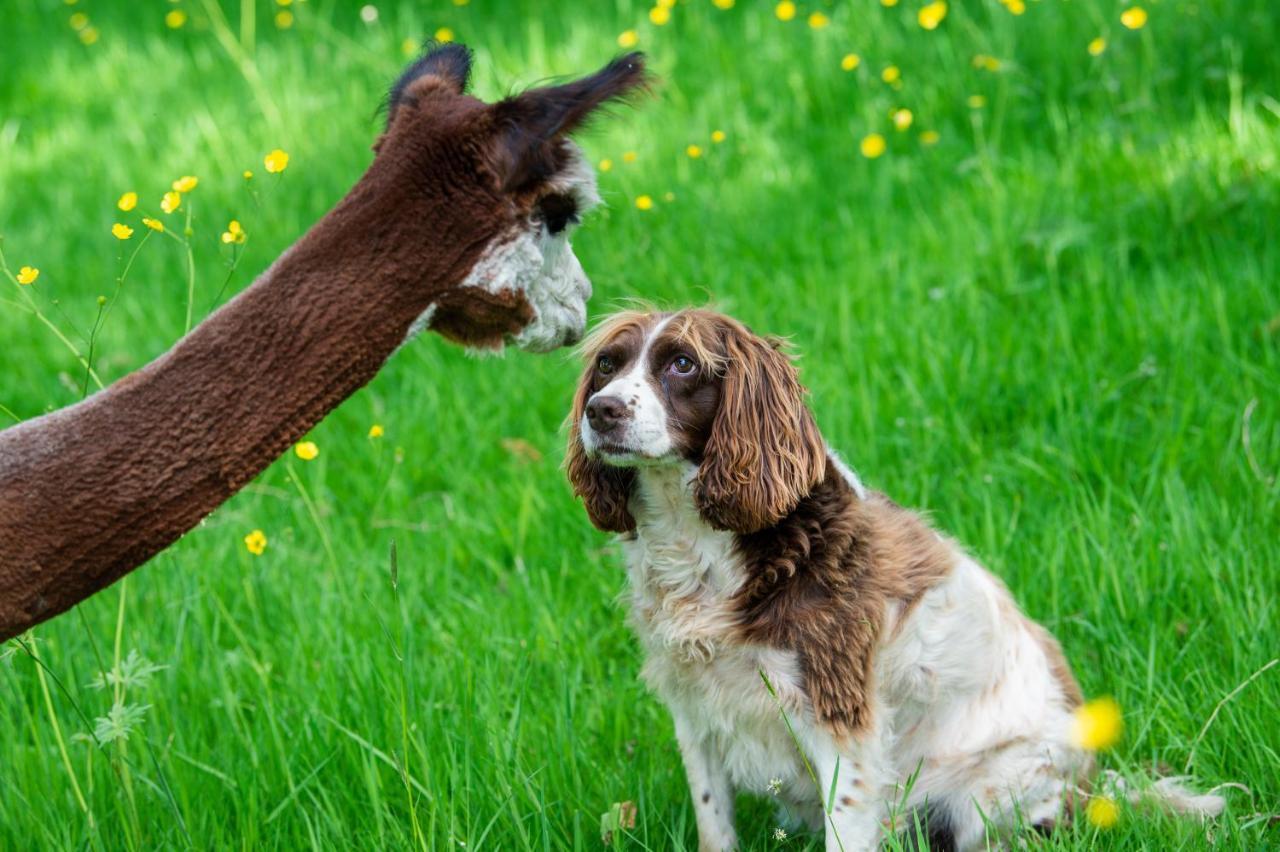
[[460, 225]]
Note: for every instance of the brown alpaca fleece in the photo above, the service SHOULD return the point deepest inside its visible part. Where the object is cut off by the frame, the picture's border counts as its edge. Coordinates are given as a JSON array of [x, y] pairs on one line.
[[820, 583], [92, 491]]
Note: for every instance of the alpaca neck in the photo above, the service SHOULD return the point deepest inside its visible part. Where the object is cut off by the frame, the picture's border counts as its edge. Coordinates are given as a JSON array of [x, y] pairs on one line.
[[91, 491]]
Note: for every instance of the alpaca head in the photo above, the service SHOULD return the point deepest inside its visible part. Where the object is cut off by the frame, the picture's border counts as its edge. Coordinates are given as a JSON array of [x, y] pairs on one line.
[[495, 189]]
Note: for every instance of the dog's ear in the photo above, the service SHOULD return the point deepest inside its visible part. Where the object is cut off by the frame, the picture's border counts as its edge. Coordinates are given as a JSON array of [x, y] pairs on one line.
[[764, 453], [604, 489]]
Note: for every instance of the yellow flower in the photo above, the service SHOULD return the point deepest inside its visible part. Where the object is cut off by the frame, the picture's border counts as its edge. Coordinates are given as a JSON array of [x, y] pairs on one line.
[[28, 275], [659, 15], [121, 232], [818, 20], [153, 224], [284, 2], [891, 74], [306, 450], [1097, 724], [1102, 812], [644, 202], [628, 38], [375, 431], [1097, 46], [717, 136], [461, 2], [444, 35], [1016, 7], [786, 10], [256, 542], [171, 201], [248, 175], [284, 19], [78, 21], [694, 151], [628, 156], [930, 16], [1135, 17], [976, 101], [276, 162], [872, 145], [902, 119], [850, 61], [175, 19], [606, 164], [668, 196], [888, 3], [128, 201], [409, 46], [234, 233], [89, 35], [186, 183], [988, 63], [666, 4], [929, 137], [723, 4]]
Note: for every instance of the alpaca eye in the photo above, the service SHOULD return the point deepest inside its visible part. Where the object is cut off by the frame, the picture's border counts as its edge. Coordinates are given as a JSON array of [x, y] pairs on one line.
[[558, 212], [604, 364], [683, 365]]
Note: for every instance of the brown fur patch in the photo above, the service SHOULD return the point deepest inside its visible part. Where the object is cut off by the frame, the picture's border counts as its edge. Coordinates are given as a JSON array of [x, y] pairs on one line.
[[820, 583], [1058, 664]]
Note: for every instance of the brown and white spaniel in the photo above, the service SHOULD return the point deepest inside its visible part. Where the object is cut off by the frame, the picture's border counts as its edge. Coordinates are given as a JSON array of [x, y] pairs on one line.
[[765, 577]]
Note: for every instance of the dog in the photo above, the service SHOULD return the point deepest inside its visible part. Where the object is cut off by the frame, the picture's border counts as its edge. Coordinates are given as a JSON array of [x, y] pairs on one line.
[[812, 639]]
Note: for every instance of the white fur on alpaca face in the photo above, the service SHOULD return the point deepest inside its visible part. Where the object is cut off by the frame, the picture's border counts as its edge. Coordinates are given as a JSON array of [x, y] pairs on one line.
[[542, 267]]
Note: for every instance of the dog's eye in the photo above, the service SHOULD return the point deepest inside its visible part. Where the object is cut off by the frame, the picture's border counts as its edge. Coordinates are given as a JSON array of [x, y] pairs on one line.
[[604, 364], [683, 365]]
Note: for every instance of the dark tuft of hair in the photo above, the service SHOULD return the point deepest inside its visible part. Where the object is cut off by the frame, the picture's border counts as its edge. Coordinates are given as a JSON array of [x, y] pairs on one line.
[[534, 121], [450, 62]]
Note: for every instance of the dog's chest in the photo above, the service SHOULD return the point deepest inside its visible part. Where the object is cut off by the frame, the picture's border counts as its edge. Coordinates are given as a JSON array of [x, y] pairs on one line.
[[684, 577]]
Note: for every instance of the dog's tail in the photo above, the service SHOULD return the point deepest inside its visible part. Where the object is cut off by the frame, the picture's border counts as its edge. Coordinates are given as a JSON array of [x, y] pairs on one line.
[[1171, 795]]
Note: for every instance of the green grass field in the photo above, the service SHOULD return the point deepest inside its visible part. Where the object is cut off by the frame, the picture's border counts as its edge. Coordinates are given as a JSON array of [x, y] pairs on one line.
[[1057, 330]]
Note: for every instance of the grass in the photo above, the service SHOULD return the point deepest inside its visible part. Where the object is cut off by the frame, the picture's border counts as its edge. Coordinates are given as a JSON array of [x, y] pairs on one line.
[[1057, 330]]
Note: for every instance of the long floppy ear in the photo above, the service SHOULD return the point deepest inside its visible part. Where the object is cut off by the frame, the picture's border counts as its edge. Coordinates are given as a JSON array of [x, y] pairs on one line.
[[530, 125], [765, 452], [604, 489]]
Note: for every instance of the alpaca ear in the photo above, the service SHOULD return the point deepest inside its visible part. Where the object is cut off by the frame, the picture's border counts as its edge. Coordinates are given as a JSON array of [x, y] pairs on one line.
[[444, 65], [764, 453], [526, 149], [604, 489]]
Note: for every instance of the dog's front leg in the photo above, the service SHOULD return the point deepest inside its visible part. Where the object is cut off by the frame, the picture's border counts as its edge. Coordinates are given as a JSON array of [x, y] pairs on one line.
[[709, 784], [852, 777]]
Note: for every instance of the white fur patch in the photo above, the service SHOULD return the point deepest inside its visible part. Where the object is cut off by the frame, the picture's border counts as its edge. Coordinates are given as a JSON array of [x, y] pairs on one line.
[[645, 432], [541, 267]]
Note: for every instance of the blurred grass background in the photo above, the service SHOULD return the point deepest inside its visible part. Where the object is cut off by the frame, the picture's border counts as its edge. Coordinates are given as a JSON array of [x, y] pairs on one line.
[[1056, 328]]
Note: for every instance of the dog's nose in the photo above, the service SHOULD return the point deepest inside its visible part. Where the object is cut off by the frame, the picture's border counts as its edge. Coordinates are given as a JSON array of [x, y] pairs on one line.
[[605, 412]]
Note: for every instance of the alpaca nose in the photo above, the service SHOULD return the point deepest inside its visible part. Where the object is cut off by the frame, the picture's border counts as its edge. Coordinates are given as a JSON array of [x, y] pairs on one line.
[[604, 413]]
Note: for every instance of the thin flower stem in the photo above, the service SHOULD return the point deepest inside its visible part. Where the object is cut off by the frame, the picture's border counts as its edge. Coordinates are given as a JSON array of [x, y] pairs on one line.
[[57, 734], [236, 254], [8, 413], [191, 273], [813, 776], [34, 308], [93, 339], [315, 515]]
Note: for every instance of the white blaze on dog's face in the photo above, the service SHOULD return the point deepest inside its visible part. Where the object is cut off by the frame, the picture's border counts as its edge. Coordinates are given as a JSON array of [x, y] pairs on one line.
[[694, 387], [651, 399]]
